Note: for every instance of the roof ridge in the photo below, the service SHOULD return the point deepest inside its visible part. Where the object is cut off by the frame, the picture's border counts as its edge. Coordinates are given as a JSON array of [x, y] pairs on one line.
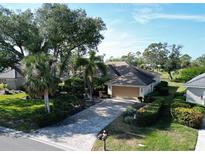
[[116, 72], [132, 67], [196, 78]]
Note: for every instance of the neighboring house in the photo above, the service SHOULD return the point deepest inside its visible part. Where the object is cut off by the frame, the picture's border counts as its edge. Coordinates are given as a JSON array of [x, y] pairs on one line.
[[12, 78], [128, 81], [196, 90]]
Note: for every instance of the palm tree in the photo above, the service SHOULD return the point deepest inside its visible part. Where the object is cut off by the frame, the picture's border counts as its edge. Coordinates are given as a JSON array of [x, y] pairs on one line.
[[91, 65], [39, 76]]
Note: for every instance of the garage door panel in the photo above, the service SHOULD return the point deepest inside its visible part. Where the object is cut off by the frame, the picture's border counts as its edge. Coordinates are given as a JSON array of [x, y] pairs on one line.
[[125, 92]]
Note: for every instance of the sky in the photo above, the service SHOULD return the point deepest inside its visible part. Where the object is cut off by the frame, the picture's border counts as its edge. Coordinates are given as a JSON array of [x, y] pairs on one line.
[[132, 27]]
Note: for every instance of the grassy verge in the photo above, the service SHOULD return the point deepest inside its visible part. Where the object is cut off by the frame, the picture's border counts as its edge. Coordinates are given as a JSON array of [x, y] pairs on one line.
[[164, 135], [17, 113], [27, 115]]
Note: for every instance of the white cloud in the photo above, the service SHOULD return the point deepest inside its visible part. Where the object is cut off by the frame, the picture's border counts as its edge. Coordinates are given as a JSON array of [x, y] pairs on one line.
[[146, 15], [118, 43]]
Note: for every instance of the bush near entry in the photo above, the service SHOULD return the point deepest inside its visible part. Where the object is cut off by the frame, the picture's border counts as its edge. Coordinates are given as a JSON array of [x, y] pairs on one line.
[[61, 108], [144, 116], [187, 116], [74, 86], [185, 113], [148, 114]]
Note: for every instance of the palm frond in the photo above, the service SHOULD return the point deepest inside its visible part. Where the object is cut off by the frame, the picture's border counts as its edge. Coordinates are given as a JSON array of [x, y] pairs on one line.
[[82, 62], [102, 67]]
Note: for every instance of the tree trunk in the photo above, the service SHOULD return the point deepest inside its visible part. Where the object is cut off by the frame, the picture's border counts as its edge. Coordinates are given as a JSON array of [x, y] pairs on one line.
[[46, 100], [91, 93], [90, 90], [170, 75], [85, 87]]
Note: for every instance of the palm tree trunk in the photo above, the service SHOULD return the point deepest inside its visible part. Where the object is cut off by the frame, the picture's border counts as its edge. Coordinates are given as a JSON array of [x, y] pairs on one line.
[[91, 93], [85, 83], [91, 89], [46, 100]]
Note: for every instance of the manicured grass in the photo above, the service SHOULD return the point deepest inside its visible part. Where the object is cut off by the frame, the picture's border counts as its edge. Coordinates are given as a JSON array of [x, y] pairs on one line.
[[165, 135], [162, 136], [28, 115], [15, 112]]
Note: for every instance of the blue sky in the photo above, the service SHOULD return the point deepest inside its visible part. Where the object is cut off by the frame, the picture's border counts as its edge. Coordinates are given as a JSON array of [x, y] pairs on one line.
[[132, 27]]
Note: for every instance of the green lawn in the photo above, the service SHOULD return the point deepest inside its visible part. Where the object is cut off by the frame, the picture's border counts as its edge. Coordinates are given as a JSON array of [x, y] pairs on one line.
[[17, 113], [164, 135]]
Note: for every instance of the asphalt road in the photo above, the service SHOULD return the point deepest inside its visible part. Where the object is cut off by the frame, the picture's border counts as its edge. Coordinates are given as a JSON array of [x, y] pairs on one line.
[[14, 143]]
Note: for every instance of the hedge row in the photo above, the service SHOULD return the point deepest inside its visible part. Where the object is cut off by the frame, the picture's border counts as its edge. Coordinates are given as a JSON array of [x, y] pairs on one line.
[[162, 88], [148, 114], [187, 116], [144, 116], [187, 113]]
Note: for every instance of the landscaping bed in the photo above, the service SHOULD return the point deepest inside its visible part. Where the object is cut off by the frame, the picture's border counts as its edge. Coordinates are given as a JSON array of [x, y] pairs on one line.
[[18, 113]]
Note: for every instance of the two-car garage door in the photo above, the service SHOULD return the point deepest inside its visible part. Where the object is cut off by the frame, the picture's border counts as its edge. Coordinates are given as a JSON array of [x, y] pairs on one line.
[[125, 92]]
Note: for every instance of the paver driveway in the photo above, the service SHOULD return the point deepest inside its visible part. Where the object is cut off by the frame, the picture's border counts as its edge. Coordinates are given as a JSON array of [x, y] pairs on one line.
[[79, 131]]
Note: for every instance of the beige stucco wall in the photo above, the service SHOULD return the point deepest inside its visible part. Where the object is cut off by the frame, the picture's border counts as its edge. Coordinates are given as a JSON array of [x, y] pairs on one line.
[[125, 92]]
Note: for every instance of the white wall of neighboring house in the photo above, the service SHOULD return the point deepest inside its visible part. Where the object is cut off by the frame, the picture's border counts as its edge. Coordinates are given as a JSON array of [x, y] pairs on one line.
[[195, 95], [12, 78], [147, 89]]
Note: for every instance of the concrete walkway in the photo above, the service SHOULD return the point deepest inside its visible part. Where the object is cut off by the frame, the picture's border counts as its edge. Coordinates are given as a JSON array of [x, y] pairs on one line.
[[200, 145], [78, 132]]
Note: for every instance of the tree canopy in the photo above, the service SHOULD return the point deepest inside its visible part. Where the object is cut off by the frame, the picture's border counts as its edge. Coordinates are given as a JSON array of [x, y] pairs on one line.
[[156, 54], [53, 29]]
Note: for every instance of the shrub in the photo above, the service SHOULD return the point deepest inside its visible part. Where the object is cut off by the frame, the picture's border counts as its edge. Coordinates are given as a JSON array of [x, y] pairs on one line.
[[151, 96], [65, 103], [163, 84], [128, 115], [148, 98], [147, 115], [47, 119], [189, 73], [163, 91], [3, 86], [61, 108], [74, 86], [130, 111], [180, 104], [129, 119], [180, 98], [179, 94], [200, 109], [187, 116]]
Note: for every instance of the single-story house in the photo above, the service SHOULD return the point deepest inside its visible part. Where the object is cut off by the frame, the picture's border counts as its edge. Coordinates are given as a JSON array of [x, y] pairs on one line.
[[12, 78], [127, 81], [195, 92]]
